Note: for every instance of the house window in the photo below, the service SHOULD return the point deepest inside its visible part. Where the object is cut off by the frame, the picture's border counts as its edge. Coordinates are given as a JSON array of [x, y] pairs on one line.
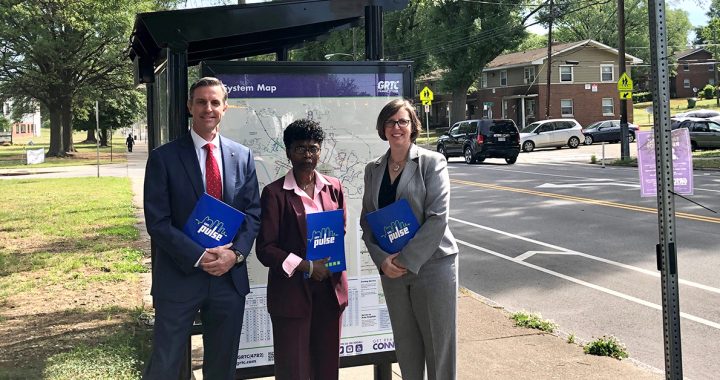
[[711, 66], [566, 107], [503, 78], [504, 109], [608, 108], [529, 75], [483, 80], [711, 81], [686, 66], [566, 73], [606, 73], [686, 83]]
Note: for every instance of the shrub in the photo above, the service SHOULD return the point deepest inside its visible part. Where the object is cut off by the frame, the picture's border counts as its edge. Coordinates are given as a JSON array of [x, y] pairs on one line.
[[533, 321], [606, 346], [708, 91]]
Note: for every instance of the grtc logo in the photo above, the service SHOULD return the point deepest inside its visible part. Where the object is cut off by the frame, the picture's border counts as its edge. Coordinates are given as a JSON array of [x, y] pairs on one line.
[[388, 86]]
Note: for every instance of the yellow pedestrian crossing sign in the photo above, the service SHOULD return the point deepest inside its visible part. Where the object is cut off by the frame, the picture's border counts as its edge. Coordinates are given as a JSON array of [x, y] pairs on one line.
[[624, 83], [625, 94], [426, 95]]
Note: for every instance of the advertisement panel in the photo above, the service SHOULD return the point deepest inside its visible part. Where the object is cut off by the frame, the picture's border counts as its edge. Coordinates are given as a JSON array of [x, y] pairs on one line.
[[345, 98], [681, 162]]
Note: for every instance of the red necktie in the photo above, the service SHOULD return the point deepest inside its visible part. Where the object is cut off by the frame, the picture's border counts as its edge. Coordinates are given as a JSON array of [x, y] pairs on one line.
[[213, 184]]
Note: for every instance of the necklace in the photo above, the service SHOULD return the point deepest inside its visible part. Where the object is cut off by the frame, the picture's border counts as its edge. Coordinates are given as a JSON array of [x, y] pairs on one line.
[[312, 181], [394, 166]]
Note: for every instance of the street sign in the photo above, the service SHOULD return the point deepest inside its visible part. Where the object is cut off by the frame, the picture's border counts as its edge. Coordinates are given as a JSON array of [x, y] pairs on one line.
[[624, 83], [426, 102], [625, 94], [489, 104], [427, 108], [426, 95]]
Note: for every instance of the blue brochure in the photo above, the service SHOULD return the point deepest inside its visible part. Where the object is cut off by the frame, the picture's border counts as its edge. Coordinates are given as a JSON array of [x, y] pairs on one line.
[[213, 222], [393, 226], [326, 238]]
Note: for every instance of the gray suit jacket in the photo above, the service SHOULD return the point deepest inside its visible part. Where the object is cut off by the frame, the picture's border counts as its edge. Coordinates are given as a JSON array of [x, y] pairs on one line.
[[425, 184]]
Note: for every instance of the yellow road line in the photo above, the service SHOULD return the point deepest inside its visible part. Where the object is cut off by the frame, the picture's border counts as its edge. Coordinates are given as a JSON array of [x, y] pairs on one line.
[[596, 202]]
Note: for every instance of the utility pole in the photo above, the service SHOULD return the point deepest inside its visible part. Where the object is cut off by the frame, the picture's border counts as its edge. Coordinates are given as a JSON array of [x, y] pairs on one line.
[[624, 144], [715, 68], [549, 61], [666, 249]]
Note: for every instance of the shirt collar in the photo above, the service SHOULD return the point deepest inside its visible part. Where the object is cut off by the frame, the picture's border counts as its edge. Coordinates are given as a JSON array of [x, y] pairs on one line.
[[200, 142], [291, 184]]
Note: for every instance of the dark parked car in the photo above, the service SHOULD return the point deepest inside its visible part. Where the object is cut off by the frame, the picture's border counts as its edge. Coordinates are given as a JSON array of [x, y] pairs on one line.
[[704, 134], [607, 130], [477, 140]]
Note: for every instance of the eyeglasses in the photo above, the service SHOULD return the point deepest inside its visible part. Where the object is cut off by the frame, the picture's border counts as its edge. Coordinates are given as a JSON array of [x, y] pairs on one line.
[[402, 123], [300, 149]]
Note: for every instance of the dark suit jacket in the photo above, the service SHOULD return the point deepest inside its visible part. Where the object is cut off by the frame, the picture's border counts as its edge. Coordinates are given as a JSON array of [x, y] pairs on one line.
[[173, 184], [283, 230]]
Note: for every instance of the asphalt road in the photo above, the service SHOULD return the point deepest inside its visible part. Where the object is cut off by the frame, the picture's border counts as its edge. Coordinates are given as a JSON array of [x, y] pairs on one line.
[[576, 243]]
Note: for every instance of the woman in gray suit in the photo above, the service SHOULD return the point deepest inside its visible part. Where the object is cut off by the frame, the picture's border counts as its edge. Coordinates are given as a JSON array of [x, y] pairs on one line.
[[420, 281]]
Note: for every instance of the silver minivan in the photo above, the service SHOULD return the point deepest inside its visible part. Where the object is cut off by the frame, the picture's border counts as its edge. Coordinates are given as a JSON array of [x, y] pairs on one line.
[[551, 133]]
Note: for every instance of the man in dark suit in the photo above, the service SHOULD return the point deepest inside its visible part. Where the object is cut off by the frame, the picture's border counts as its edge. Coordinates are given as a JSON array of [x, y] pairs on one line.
[[187, 277]]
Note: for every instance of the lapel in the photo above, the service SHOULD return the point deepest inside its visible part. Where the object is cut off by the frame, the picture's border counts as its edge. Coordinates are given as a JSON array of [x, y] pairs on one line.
[[326, 199], [189, 160], [377, 175], [229, 163], [299, 209], [408, 173]]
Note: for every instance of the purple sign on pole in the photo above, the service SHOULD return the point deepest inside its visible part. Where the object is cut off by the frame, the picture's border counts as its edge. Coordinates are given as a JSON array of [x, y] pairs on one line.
[[681, 159]]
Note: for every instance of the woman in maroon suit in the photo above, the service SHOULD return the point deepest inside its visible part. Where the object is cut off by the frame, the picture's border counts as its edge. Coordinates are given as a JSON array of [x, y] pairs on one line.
[[306, 312]]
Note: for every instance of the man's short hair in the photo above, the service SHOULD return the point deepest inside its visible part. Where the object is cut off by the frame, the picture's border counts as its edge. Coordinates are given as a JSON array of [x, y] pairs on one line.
[[208, 82]]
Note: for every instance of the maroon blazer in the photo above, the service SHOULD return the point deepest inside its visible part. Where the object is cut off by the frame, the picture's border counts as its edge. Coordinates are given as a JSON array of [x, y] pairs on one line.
[[283, 230]]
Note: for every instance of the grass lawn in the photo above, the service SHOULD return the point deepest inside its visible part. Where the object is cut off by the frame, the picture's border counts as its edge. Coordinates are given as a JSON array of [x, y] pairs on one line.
[[643, 118], [70, 294], [13, 156]]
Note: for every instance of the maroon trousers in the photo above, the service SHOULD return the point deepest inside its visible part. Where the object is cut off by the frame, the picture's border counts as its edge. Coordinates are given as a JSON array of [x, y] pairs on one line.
[[309, 347]]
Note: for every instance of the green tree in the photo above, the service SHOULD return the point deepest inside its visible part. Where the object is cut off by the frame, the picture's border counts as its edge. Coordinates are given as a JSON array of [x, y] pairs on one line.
[[116, 110], [459, 37], [4, 124], [57, 51]]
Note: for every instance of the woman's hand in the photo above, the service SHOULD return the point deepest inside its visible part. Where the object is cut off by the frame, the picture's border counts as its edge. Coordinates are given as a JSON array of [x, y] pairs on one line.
[[391, 268], [320, 271]]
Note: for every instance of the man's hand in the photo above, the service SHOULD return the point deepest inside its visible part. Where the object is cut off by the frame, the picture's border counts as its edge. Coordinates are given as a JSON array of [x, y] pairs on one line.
[[219, 260], [391, 268]]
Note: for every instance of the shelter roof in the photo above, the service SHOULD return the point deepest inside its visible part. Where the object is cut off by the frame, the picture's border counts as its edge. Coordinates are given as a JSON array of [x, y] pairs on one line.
[[238, 31]]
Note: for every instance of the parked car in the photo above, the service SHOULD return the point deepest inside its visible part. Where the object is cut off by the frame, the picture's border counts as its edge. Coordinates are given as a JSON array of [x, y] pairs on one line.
[[704, 134], [551, 133], [702, 113], [477, 140], [607, 130]]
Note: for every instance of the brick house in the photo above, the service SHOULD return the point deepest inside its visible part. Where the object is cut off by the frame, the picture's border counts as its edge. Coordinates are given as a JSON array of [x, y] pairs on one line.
[[695, 69], [583, 84]]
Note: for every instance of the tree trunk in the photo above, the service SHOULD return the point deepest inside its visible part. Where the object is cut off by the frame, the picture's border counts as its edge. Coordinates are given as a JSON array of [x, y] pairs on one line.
[[104, 137], [459, 101], [56, 136], [66, 112], [90, 138]]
